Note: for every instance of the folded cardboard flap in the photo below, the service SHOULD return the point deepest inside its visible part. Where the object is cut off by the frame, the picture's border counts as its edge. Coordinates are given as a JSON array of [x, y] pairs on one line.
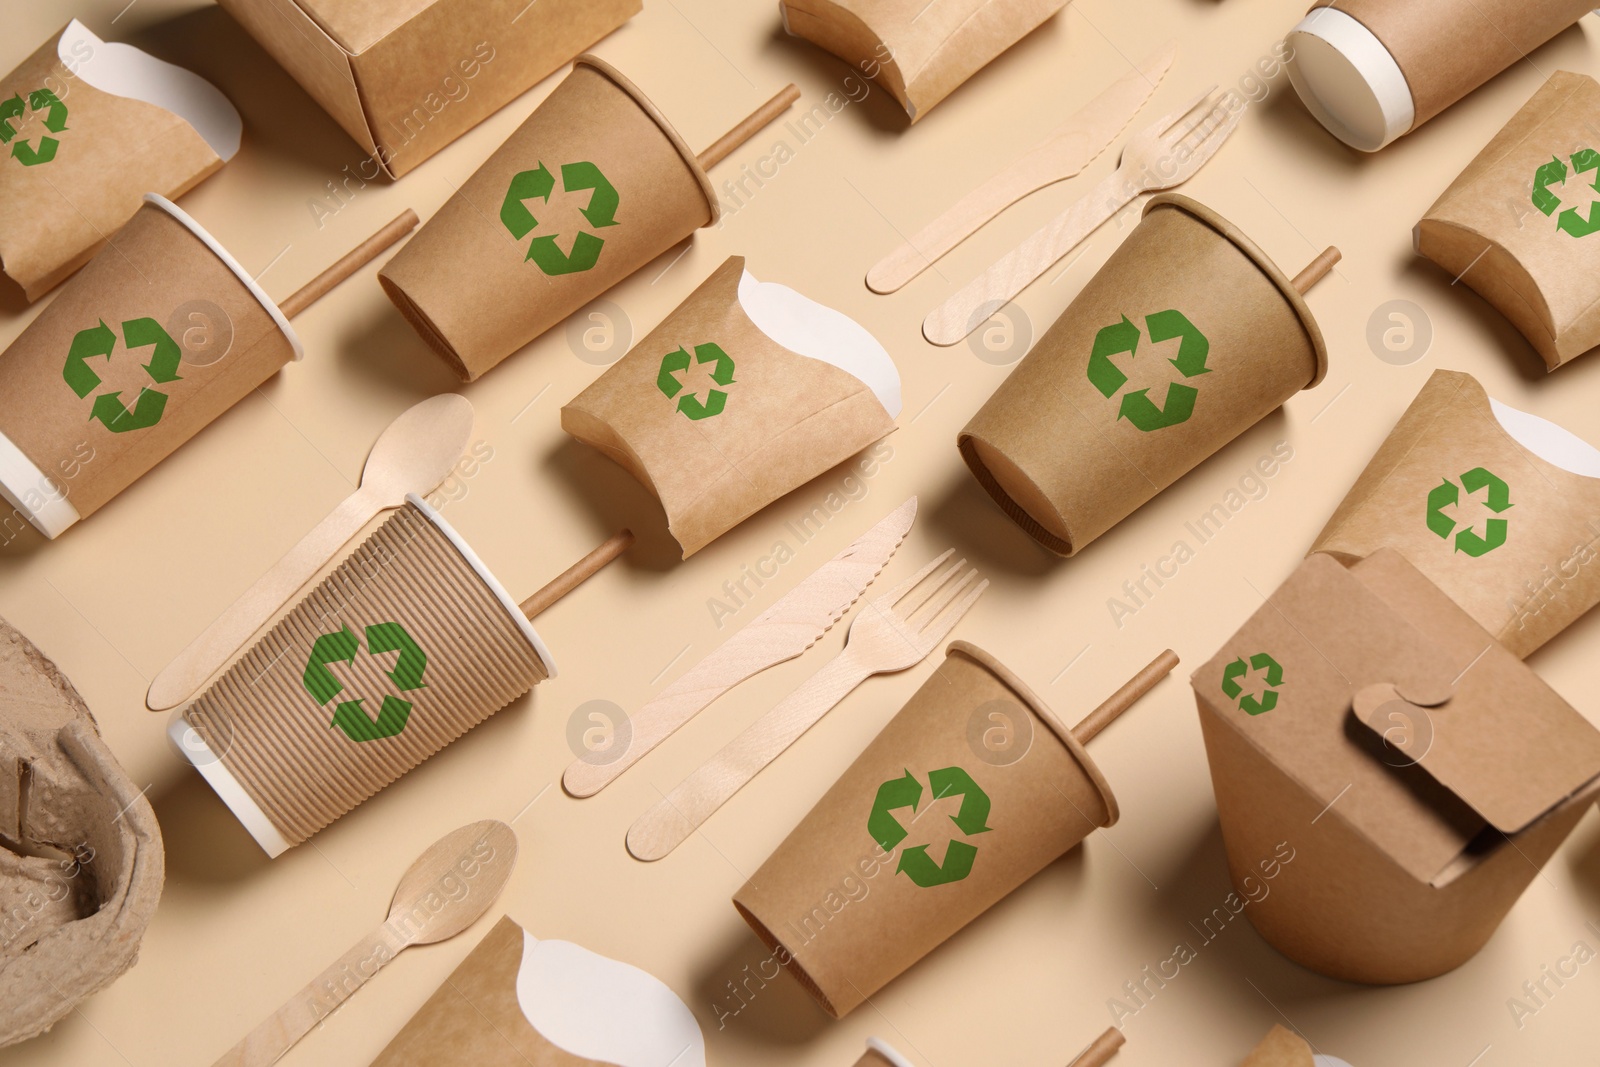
[[1402, 715], [407, 78], [1528, 255]]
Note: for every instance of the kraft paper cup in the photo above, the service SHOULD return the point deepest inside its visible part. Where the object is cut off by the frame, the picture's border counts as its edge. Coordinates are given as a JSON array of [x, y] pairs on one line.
[[1021, 808], [164, 306], [404, 647], [1371, 71], [1068, 448], [483, 278]]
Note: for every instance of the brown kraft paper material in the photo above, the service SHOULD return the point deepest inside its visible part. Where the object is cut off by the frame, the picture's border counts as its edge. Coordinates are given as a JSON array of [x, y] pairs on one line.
[[488, 1012], [80, 881], [111, 152], [1406, 773], [474, 1017], [1533, 257], [921, 51], [1523, 572], [787, 417], [137, 298], [1447, 48], [1280, 1048], [407, 79], [399, 651], [880, 833], [476, 281], [1072, 443]]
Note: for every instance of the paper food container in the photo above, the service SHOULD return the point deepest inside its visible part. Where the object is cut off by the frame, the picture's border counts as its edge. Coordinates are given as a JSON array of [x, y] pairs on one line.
[[84, 866], [1285, 1048], [484, 276], [112, 377], [928, 877], [87, 127], [1405, 774], [746, 391], [880, 1053], [1518, 226], [918, 51], [1498, 508], [402, 648], [517, 1001], [406, 79], [1187, 337], [1374, 70]]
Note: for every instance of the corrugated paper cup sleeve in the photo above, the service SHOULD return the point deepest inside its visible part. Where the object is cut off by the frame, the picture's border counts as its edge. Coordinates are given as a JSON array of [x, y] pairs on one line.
[[718, 419], [591, 187], [922, 834], [1187, 337]]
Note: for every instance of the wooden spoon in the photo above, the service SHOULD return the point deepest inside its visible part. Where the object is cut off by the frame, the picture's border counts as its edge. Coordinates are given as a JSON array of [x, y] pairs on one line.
[[446, 890], [414, 454]]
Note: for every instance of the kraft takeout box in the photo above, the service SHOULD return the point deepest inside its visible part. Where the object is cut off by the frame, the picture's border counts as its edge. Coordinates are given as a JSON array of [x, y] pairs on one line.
[[1519, 225], [1374, 70], [1410, 774], [1498, 508], [158, 335], [918, 50], [1187, 337], [87, 127], [745, 392], [405, 79], [485, 275], [401, 649], [1017, 813], [518, 1001]]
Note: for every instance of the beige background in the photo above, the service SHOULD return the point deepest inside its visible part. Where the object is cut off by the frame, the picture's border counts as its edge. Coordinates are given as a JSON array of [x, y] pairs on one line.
[[115, 598]]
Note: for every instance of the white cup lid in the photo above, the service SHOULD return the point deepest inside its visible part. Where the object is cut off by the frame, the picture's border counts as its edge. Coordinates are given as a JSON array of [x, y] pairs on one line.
[[1349, 81]]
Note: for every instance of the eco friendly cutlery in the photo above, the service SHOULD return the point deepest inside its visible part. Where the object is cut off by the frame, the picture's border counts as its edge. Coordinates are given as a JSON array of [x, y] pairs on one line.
[[414, 454], [782, 632], [1164, 155], [894, 631], [1072, 146], [446, 890]]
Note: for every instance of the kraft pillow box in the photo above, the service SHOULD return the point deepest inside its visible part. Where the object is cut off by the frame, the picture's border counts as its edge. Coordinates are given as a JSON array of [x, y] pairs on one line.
[[90, 128]]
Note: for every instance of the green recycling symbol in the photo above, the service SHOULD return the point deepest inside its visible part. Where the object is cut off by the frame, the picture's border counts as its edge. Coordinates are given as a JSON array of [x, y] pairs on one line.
[[341, 647], [906, 792], [1555, 172], [1497, 500], [1137, 407], [677, 361], [101, 340], [1238, 669], [538, 184], [55, 120]]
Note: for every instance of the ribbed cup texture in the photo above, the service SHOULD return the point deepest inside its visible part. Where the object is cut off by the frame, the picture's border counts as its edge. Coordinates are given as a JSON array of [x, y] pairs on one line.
[[268, 727]]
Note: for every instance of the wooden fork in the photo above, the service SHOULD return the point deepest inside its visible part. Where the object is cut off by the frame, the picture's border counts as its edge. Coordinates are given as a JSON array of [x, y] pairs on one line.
[[893, 632], [1164, 155]]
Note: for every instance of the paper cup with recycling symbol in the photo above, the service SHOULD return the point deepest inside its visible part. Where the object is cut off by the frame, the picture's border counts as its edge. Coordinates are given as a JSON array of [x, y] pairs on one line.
[[922, 834], [402, 648], [1187, 337], [491, 271], [158, 335]]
